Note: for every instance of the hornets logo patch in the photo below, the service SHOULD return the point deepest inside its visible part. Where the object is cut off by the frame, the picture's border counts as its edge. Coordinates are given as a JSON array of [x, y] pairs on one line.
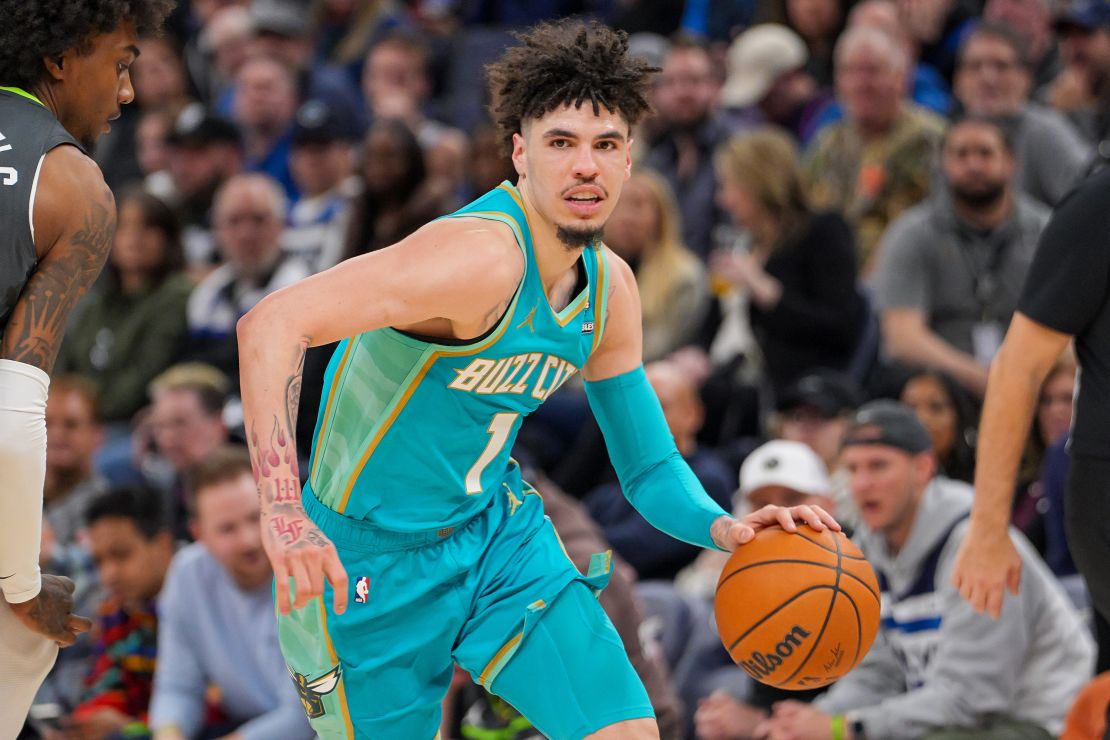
[[312, 691]]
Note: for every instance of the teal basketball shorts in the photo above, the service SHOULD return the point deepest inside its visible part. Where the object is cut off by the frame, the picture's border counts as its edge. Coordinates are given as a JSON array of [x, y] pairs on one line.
[[497, 595]]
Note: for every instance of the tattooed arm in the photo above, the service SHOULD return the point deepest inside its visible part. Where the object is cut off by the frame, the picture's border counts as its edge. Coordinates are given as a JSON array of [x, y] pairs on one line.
[[451, 277], [74, 222]]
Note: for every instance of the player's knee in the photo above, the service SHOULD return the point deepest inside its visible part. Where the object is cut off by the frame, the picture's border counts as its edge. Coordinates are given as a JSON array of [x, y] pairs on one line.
[[630, 729]]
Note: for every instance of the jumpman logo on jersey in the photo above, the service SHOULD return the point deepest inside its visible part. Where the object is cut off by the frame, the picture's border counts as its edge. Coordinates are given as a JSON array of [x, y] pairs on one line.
[[514, 502], [531, 315]]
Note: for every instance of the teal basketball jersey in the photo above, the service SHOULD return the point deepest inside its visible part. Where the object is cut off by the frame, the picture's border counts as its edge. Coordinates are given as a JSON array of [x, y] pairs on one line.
[[415, 433]]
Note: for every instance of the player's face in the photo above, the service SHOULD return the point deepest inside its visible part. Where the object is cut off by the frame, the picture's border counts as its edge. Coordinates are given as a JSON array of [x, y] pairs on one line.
[[572, 165], [97, 83], [886, 485], [226, 524], [130, 566]]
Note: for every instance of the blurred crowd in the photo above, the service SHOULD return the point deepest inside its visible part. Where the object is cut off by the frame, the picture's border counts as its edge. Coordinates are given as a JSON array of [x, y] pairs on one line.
[[834, 202]]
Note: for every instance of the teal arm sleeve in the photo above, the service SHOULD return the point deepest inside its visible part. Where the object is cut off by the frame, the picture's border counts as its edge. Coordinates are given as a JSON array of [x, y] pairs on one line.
[[654, 477]]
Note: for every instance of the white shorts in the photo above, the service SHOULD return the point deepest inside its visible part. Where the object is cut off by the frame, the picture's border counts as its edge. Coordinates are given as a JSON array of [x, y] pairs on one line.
[[25, 659]]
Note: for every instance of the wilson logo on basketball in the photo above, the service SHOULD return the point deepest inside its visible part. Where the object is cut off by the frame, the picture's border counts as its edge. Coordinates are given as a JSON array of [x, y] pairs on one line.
[[761, 665]]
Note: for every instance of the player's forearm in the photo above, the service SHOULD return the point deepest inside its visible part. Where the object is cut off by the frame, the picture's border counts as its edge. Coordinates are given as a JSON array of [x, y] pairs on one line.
[[23, 390], [271, 361], [1007, 414]]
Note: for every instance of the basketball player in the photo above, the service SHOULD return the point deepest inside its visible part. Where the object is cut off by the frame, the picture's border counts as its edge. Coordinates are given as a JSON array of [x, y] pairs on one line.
[[448, 339], [63, 77]]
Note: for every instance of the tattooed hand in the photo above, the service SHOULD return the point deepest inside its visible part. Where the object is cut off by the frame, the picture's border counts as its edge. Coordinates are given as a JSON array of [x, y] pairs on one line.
[[49, 613], [299, 550]]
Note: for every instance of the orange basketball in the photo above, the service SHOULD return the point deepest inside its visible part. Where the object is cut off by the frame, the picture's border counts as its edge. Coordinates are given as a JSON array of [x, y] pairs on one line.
[[797, 611]]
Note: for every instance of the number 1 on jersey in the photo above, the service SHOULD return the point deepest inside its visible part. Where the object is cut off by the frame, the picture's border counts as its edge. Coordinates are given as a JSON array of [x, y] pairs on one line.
[[499, 430]]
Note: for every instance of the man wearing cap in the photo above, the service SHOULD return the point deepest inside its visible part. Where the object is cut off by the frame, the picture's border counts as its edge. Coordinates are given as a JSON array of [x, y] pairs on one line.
[[1083, 87], [204, 152], [322, 161], [937, 665], [767, 78], [815, 411]]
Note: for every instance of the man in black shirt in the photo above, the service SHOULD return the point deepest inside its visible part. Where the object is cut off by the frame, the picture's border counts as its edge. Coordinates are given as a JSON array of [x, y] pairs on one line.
[[1067, 294]]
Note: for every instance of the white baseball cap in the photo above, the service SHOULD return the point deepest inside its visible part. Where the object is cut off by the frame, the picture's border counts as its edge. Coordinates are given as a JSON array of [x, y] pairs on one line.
[[788, 464], [757, 58]]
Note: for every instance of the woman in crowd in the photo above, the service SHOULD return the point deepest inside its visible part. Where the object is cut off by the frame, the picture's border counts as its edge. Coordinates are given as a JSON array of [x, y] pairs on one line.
[[795, 267], [132, 324], [397, 195], [646, 231], [950, 418]]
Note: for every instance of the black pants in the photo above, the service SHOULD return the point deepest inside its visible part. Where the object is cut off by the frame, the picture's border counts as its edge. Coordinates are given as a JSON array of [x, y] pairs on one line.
[[1087, 521]]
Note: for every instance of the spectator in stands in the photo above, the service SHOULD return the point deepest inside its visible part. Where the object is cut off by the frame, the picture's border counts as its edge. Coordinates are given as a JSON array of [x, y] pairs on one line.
[[952, 267], [227, 41], [397, 195], [818, 23], [1031, 20], [322, 163], [490, 162], [937, 27], [1081, 88], [152, 151], [217, 624], [688, 134], [798, 268], [651, 554], [937, 664], [396, 83], [876, 162], [248, 216], [204, 153], [132, 546], [265, 104], [74, 433], [993, 80], [928, 88], [767, 81], [645, 230], [185, 425], [816, 411], [949, 415], [161, 81], [132, 325], [283, 29]]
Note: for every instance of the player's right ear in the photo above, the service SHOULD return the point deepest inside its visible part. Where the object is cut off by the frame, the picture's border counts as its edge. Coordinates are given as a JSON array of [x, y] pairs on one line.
[[518, 154], [54, 66]]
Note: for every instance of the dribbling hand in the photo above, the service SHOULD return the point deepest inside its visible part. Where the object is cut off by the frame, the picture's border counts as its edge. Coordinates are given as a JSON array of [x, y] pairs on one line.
[[299, 550], [985, 567], [730, 533], [50, 612]]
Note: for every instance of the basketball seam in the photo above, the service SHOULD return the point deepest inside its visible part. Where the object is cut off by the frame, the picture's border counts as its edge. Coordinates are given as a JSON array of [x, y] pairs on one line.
[[859, 626], [826, 548], [797, 562], [775, 611], [825, 624]]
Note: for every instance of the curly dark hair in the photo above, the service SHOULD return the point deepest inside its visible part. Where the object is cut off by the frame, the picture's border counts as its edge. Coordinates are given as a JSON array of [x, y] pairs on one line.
[[567, 63], [34, 29]]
